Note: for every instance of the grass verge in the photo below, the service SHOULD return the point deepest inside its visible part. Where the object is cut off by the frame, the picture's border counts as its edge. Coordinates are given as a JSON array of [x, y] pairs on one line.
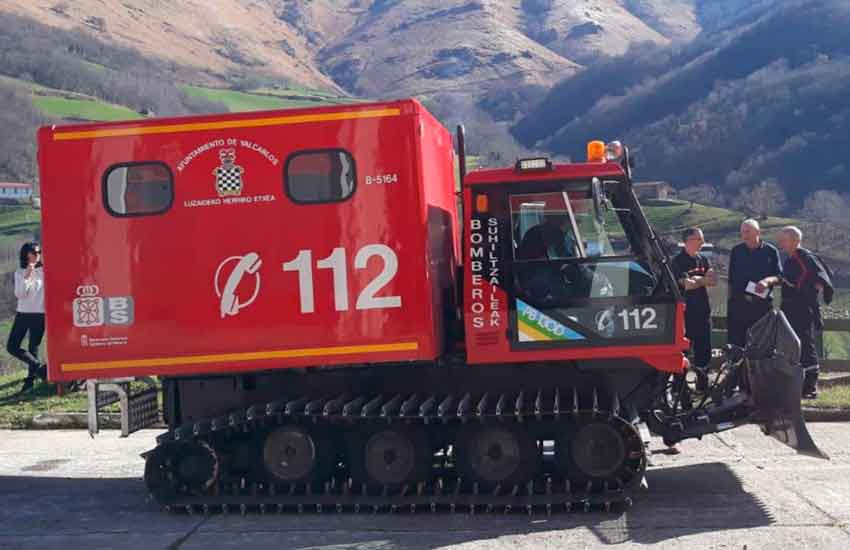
[[833, 397], [16, 411]]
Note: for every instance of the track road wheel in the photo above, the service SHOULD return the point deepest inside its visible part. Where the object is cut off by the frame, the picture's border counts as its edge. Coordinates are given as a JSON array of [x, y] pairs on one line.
[[600, 451], [295, 454], [390, 457], [497, 455], [159, 478], [190, 466]]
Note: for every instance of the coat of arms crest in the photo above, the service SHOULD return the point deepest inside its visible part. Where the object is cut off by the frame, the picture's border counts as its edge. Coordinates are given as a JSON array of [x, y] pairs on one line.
[[228, 176]]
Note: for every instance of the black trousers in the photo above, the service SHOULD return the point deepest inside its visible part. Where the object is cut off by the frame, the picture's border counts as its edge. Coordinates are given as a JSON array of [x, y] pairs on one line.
[[741, 314], [802, 320], [32, 323], [698, 331]]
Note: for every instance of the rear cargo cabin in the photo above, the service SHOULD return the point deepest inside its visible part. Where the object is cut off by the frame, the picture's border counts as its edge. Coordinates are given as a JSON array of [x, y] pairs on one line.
[[248, 242]]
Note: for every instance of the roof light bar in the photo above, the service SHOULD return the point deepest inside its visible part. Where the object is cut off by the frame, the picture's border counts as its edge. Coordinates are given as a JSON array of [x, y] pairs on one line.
[[532, 164]]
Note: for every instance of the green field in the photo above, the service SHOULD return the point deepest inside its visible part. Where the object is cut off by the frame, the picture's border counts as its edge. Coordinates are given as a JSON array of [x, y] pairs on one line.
[[720, 225], [12, 218], [70, 105], [265, 99], [303, 94], [83, 109]]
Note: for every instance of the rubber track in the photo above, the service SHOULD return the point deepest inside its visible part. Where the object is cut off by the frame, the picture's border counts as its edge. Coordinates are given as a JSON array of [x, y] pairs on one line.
[[445, 492]]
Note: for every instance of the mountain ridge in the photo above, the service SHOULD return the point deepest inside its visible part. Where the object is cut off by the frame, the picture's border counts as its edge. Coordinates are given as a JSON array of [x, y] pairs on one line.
[[323, 42], [731, 109], [666, 75]]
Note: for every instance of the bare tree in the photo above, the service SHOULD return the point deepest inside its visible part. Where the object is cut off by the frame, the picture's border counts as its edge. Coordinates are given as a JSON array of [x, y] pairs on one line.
[[827, 206], [702, 194], [763, 199], [19, 121], [828, 213]]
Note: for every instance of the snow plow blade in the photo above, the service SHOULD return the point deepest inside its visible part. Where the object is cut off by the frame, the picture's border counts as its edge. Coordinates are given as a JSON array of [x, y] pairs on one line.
[[775, 382]]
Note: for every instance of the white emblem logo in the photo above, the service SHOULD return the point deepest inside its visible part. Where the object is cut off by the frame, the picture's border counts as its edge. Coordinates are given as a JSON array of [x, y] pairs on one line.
[[605, 322], [88, 307], [92, 310], [248, 264], [228, 176]]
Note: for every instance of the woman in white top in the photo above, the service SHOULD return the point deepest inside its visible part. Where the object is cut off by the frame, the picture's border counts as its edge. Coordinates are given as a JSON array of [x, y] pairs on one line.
[[29, 290]]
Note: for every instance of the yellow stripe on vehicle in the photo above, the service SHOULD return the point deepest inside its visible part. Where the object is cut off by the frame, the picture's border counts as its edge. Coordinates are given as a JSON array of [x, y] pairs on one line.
[[239, 357], [532, 332], [222, 124]]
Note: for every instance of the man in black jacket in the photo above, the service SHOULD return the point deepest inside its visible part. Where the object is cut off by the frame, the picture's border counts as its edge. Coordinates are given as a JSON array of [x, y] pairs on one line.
[[694, 275], [754, 267], [804, 277]]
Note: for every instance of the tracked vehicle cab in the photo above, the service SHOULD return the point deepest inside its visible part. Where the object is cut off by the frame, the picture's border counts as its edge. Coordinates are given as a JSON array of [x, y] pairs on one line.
[[561, 260]]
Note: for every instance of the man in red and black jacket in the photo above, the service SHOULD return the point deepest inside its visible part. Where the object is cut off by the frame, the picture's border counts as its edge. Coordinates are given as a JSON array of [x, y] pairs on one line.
[[804, 276]]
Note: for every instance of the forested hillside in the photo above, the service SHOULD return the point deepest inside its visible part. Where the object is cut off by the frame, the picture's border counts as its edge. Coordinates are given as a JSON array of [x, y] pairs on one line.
[[725, 94], [766, 101]]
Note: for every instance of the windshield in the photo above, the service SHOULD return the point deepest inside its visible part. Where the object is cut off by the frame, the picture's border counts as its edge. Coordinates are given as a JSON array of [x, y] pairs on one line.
[[564, 225], [556, 237]]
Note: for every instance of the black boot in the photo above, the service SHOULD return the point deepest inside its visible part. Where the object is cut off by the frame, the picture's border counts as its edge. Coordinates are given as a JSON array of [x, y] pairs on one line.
[[810, 382], [702, 380], [41, 372], [28, 383]]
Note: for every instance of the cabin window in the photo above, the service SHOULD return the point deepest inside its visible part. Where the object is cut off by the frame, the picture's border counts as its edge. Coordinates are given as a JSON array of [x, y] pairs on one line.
[[319, 176], [140, 189]]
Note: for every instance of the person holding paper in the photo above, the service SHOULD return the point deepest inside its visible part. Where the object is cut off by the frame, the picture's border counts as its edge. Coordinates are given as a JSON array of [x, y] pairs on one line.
[[694, 275], [754, 268]]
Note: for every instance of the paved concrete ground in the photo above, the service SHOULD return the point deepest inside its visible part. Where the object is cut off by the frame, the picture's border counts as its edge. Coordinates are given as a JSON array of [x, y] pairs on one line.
[[741, 490]]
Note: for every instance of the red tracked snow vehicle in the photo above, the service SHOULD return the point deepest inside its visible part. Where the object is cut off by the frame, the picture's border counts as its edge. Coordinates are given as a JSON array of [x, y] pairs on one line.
[[327, 335]]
